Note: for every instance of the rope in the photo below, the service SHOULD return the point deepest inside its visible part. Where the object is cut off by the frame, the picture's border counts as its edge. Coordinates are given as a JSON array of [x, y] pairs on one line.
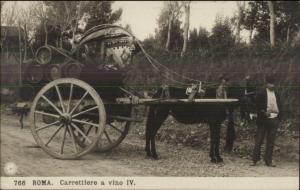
[[151, 59], [168, 78], [165, 67], [158, 70]]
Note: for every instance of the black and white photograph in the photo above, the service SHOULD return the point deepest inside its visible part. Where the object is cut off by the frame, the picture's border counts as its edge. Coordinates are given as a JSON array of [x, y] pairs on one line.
[[150, 94]]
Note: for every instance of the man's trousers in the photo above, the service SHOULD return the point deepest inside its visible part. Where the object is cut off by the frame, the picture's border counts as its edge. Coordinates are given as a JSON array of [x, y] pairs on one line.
[[266, 127]]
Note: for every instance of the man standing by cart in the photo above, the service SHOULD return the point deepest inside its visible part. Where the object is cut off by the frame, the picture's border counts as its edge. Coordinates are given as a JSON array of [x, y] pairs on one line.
[[221, 91], [268, 115]]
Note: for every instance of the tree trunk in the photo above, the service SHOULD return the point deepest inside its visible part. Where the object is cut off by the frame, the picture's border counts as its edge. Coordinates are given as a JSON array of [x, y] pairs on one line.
[[238, 24], [288, 35], [272, 23], [186, 28], [250, 35], [20, 58], [169, 32], [25, 41]]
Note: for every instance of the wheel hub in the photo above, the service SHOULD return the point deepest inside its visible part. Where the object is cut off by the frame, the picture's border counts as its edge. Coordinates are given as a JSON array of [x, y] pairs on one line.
[[66, 119]]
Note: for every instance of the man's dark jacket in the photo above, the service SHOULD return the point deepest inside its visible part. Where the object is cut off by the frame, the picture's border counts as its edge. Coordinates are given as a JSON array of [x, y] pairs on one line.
[[261, 103]]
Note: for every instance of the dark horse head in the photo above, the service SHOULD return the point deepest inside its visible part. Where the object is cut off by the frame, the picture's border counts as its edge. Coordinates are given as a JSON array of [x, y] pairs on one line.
[[246, 93]]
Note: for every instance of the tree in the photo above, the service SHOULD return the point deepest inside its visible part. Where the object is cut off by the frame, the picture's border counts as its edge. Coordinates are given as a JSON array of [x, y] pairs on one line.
[[186, 5], [199, 41], [64, 16], [286, 21], [74, 17], [251, 16], [172, 9], [194, 41], [221, 39], [272, 23], [128, 28], [8, 18], [101, 13], [170, 38], [29, 21], [40, 12], [241, 8], [290, 19], [1, 5], [203, 40]]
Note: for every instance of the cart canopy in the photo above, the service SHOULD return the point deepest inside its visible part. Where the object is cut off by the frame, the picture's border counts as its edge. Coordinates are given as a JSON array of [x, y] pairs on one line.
[[108, 44]]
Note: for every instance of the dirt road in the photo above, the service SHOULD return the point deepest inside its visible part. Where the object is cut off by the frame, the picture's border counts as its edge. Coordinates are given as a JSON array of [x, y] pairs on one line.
[[18, 146]]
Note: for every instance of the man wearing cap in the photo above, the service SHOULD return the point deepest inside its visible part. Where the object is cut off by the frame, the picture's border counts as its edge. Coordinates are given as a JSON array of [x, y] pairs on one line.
[[268, 107]]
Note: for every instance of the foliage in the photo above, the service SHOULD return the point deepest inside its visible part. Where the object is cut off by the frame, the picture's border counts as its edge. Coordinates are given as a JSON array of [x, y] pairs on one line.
[[61, 17], [221, 39], [101, 13], [287, 19], [161, 32], [199, 40]]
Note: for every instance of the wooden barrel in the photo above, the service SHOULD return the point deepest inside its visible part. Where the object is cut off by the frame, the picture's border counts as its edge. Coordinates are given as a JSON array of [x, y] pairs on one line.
[[33, 73], [53, 71], [43, 55], [72, 69]]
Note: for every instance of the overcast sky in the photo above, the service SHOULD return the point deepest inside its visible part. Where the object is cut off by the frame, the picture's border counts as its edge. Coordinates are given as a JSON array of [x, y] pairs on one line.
[[142, 15]]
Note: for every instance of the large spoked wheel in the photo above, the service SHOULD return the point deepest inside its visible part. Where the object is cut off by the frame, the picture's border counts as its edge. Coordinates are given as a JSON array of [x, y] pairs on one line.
[[63, 100], [114, 133]]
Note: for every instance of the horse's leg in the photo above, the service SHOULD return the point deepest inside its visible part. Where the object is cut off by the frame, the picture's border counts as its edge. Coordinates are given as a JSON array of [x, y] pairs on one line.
[[230, 134], [157, 115], [149, 124], [161, 115], [215, 142]]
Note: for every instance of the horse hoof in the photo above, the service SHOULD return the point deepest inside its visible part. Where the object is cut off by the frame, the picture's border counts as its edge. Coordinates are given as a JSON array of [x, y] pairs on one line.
[[219, 160], [148, 154], [155, 157], [213, 160]]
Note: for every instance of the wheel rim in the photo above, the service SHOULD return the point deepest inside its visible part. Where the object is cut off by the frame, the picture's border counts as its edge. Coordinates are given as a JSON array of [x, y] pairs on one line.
[[63, 100], [113, 135]]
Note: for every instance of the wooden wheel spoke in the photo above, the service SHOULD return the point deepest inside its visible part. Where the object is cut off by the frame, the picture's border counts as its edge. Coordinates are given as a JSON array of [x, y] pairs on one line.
[[60, 98], [47, 114], [85, 111], [82, 133], [79, 102], [49, 102], [73, 139], [70, 97], [107, 136], [54, 134], [49, 125], [63, 141], [85, 122], [87, 133], [115, 128]]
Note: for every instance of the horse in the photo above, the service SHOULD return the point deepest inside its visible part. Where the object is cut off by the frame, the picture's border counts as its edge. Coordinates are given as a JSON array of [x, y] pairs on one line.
[[213, 115]]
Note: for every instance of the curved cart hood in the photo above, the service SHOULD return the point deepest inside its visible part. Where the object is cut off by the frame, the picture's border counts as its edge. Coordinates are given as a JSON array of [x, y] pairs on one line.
[[104, 31]]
